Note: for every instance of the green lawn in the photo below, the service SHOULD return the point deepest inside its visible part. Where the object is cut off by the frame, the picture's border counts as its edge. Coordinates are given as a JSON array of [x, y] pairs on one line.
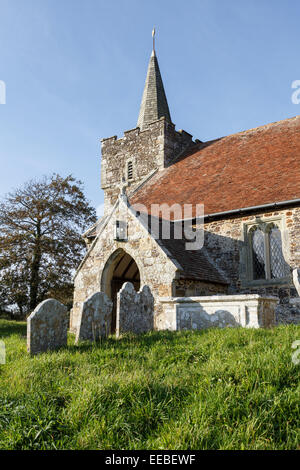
[[216, 389]]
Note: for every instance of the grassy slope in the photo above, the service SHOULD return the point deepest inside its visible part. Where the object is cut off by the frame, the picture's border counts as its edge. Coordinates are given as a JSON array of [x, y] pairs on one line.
[[217, 389]]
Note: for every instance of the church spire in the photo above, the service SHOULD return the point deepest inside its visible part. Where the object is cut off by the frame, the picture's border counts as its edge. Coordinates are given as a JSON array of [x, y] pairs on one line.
[[154, 102]]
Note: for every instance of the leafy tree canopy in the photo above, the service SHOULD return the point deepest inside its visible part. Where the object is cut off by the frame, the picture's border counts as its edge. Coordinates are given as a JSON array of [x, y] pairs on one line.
[[40, 241]]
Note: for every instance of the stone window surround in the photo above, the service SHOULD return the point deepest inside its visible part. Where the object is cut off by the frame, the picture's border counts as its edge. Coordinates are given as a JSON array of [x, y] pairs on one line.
[[264, 223], [120, 227]]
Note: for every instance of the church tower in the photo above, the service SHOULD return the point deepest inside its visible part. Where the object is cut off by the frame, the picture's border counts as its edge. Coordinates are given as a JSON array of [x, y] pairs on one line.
[[149, 147]]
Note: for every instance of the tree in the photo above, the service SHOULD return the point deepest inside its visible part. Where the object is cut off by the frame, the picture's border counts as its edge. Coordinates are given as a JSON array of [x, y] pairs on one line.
[[40, 241]]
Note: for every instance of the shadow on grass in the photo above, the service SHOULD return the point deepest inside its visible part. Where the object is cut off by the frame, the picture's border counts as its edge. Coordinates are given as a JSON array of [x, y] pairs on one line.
[[144, 341], [121, 344], [10, 327]]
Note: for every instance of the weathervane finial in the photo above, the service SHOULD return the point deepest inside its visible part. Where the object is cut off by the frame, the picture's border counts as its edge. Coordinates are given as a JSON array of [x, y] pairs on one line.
[[153, 35]]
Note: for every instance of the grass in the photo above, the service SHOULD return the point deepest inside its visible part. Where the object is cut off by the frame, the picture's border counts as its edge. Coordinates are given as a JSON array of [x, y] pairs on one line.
[[216, 389]]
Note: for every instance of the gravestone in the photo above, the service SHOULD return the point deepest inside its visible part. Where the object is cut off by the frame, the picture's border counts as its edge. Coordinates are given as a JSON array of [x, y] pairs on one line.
[[2, 352], [296, 279], [95, 318], [134, 310], [47, 327]]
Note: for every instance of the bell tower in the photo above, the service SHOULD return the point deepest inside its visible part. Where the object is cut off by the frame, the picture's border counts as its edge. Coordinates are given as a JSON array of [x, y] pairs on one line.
[[152, 145]]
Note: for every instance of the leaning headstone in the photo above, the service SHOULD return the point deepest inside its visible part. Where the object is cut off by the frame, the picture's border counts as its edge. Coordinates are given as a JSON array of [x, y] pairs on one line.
[[95, 318], [47, 327], [134, 310], [296, 279]]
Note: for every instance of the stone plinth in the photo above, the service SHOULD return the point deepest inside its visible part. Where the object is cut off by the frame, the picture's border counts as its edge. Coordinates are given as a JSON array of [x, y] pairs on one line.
[[197, 313]]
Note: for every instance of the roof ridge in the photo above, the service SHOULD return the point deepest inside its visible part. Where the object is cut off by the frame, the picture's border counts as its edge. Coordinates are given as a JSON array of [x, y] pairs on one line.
[[264, 126]]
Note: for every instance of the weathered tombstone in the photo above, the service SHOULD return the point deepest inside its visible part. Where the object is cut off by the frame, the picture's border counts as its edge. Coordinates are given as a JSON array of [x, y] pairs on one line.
[[134, 310], [296, 279], [47, 327], [95, 318], [2, 352]]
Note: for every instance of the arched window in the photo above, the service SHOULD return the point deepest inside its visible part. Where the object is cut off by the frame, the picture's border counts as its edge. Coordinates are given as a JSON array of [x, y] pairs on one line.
[[266, 253], [130, 170]]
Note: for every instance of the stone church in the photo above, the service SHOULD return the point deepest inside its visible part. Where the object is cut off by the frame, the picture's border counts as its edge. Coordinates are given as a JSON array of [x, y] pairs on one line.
[[249, 186]]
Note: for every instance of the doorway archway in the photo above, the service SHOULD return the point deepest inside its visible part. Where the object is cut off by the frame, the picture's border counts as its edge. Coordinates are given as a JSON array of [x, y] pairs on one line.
[[119, 269]]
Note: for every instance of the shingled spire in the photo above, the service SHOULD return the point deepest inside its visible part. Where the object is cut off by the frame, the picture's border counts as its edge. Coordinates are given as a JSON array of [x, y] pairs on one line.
[[154, 102]]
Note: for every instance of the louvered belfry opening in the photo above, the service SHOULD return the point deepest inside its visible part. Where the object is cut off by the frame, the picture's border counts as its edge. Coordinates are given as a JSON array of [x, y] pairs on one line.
[[126, 270], [130, 170]]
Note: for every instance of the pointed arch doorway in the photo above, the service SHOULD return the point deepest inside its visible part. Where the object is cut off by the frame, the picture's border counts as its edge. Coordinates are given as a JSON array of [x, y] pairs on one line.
[[119, 269]]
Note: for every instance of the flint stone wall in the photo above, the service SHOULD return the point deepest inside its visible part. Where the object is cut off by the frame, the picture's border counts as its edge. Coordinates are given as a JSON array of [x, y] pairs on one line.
[[226, 244], [95, 318], [134, 310], [47, 327], [197, 313]]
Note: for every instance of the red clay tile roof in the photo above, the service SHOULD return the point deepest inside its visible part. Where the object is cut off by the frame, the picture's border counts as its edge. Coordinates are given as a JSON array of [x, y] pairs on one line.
[[195, 264], [251, 168]]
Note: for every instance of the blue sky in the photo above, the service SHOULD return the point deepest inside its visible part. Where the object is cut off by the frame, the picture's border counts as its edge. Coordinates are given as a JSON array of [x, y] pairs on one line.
[[74, 73]]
